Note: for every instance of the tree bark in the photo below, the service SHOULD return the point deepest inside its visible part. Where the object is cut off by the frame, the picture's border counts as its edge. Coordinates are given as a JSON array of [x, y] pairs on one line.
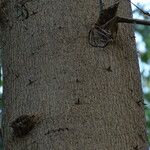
[[84, 97]]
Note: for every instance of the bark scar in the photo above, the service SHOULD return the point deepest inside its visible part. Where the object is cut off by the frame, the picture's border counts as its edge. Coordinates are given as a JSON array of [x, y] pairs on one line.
[[56, 131], [24, 124]]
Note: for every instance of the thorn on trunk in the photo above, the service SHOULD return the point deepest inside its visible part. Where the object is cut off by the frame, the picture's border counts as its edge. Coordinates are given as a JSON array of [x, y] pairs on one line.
[[109, 69], [31, 81], [78, 102]]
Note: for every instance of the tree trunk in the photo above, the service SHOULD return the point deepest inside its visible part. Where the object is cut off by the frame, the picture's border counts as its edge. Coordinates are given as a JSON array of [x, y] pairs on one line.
[[80, 97]]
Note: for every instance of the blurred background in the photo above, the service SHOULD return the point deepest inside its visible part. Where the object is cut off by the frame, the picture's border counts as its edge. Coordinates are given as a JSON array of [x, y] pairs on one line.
[[142, 34]]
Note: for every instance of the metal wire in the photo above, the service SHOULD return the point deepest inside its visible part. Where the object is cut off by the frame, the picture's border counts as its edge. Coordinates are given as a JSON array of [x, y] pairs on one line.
[[99, 37], [101, 7]]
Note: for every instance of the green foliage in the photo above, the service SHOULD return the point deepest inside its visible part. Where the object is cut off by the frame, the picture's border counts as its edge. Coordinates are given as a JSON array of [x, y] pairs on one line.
[[144, 31], [147, 96]]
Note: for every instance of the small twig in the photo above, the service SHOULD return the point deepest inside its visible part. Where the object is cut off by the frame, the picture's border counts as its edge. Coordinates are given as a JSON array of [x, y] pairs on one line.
[[145, 13], [133, 21]]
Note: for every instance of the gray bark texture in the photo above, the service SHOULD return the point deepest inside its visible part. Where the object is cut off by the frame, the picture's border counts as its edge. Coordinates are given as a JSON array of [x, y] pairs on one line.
[[85, 98]]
